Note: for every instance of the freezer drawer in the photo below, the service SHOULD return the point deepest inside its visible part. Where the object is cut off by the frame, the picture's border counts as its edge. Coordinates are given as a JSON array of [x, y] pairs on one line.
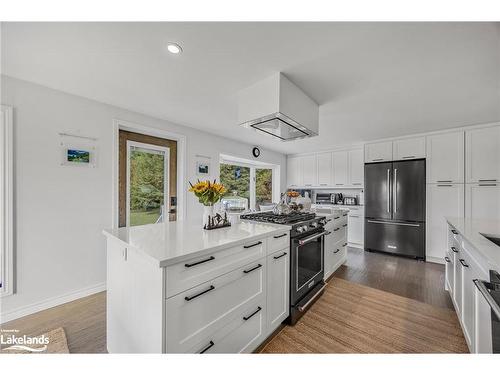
[[396, 238]]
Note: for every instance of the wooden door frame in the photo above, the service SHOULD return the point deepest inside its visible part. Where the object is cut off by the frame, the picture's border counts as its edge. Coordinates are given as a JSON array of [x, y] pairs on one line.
[[155, 132]]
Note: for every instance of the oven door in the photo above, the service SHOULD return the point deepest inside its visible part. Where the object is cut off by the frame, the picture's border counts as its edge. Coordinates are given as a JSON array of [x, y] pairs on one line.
[[307, 264]]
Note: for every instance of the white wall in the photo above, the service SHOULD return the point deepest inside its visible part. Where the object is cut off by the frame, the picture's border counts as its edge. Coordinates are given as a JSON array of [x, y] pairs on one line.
[[61, 211]]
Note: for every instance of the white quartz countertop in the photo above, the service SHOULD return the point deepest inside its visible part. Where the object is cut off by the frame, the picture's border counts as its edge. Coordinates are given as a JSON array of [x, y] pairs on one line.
[[178, 241], [338, 206], [471, 231]]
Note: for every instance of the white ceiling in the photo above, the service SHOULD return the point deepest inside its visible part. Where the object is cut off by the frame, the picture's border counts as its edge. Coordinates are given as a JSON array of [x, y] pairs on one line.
[[372, 80]]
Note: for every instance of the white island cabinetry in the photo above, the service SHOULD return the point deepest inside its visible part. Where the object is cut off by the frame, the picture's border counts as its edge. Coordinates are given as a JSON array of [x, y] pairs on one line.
[[174, 288]]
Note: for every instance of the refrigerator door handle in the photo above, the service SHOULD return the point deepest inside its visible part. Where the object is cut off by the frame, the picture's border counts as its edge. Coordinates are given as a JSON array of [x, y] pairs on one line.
[[394, 190], [388, 190]]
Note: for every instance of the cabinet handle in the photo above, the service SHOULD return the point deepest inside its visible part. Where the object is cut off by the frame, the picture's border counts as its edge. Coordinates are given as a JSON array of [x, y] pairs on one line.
[[463, 263], [490, 180], [344, 214], [252, 314], [308, 185], [280, 236], [280, 256], [323, 184], [379, 159], [200, 262], [337, 217], [454, 249], [339, 184], [199, 294], [357, 183], [408, 157], [336, 229], [441, 185], [207, 347], [253, 269], [353, 215], [487, 184], [344, 245], [336, 251], [344, 225], [255, 244], [447, 259], [444, 181], [454, 231]]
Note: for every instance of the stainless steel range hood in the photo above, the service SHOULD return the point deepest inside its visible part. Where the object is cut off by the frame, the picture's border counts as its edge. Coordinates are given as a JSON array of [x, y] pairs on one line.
[[277, 107]]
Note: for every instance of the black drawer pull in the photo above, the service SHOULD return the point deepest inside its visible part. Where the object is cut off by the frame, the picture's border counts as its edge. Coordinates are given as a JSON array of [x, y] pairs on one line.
[[454, 249], [280, 256], [252, 314], [337, 217], [200, 262], [336, 229], [344, 214], [253, 269], [344, 225], [255, 244], [344, 244], [454, 231], [336, 251], [199, 294], [207, 347], [281, 235], [447, 259], [463, 263]]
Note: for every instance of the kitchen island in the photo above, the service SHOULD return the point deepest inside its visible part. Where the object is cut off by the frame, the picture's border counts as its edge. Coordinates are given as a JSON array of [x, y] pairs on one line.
[[470, 259], [176, 288]]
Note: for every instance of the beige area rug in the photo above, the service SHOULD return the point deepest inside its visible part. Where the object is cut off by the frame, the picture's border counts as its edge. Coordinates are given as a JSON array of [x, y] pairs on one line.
[[57, 344], [353, 318]]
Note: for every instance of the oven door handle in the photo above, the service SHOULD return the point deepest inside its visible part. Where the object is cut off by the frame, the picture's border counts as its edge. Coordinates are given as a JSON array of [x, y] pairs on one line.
[[481, 286], [311, 238]]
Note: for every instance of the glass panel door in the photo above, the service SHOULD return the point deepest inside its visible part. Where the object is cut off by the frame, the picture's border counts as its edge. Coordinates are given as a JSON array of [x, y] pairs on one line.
[[147, 183], [236, 179], [263, 187]]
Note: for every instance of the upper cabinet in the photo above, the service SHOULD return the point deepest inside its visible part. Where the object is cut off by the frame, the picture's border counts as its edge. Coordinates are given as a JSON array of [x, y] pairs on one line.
[[356, 168], [482, 149], [409, 148], [325, 176], [294, 172], [380, 151], [309, 170], [340, 168], [445, 158]]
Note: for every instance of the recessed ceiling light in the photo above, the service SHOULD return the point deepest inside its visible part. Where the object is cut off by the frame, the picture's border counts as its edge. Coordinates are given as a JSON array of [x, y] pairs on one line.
[[174, 48]]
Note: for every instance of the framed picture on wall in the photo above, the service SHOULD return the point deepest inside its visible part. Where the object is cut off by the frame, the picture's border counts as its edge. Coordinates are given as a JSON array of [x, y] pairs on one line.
[[78, 155], [202, 166]]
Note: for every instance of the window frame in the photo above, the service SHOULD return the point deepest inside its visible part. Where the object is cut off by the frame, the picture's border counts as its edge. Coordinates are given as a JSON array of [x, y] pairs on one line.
[[224, 159], [7, 201]]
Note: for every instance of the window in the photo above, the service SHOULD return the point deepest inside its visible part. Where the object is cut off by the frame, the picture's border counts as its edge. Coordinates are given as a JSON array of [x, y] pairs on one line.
[[256, 182], [6, 202]]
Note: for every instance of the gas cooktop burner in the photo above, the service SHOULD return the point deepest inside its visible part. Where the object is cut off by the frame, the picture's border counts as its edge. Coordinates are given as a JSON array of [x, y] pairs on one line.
[[270, 217]]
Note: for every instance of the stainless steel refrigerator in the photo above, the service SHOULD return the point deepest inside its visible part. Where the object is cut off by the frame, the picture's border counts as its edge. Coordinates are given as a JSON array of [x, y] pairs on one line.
[[395, 208]]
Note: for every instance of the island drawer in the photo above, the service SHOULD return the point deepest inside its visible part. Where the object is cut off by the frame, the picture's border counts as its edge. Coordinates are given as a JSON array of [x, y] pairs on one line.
[[188, 274], [339, 232], [242, 335], [201, 311], [278, 241]]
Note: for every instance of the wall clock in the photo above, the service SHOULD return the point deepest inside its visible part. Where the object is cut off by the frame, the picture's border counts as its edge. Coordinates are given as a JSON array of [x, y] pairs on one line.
[[256, 152]]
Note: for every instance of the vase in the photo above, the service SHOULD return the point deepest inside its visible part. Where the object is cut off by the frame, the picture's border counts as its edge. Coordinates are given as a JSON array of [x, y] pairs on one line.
[[208, 211]]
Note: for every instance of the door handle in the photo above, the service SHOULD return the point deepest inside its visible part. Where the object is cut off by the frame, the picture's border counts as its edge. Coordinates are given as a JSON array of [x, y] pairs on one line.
[[392, 223], [394, 190], [388, 190]]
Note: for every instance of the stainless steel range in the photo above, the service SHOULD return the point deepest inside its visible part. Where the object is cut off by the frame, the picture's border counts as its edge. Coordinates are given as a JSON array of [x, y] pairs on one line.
[[306, 257]]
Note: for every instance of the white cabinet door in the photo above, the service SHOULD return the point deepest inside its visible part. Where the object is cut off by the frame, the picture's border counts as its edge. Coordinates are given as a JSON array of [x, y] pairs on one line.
[[381, 151], [329, 249], [482, 201], [340, 168], [355, 224], [325, 169], [356, 168], [309, 170], [442, 200], [278, 281], [409, 148], [445, 158], [293, 172], [482, 150]]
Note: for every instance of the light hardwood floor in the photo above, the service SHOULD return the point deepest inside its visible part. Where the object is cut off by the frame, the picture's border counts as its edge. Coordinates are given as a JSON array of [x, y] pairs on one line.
[[84, 320]]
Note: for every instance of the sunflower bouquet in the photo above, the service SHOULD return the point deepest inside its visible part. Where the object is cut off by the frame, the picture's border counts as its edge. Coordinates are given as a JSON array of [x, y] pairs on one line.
[[208, 193]]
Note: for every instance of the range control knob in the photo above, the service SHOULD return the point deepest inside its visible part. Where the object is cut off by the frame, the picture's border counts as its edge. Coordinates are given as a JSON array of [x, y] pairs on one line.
[[314, 225], [300, 229]]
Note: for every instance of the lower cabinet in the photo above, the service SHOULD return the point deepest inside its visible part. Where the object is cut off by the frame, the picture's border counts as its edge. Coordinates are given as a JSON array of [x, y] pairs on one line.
[[335, 251], [278, 283]]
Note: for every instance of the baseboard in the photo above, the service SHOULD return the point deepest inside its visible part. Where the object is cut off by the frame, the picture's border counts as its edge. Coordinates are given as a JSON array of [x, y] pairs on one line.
[[434, 260], [356, 245], [6, 316]]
